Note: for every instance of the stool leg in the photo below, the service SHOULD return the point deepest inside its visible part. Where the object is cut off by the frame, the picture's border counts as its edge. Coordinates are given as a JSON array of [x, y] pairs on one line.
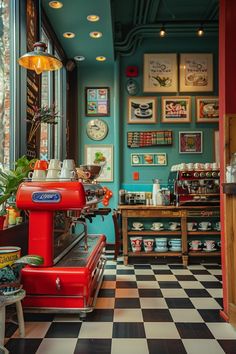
[[20, 317], [2, 324]]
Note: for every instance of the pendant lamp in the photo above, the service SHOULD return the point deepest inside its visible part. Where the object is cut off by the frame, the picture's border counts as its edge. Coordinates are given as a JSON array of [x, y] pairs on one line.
[[39, 60]]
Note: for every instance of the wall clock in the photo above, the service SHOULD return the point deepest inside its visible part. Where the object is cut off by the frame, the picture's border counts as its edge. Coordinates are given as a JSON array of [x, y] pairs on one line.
[[97, 129]]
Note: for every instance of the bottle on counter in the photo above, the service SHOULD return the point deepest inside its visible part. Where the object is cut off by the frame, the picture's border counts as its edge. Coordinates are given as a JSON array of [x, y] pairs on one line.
[[156, 192]]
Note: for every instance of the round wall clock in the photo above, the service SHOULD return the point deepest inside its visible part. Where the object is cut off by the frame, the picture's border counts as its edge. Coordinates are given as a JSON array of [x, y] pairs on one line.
[[97, 129]]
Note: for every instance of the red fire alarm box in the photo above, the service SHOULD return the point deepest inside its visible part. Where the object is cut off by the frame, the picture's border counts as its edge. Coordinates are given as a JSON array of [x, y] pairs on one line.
[[131, 71]]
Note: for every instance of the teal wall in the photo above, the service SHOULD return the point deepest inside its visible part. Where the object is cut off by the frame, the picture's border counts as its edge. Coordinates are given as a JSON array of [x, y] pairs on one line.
[[114, 77], [104, 76], [165, 45]]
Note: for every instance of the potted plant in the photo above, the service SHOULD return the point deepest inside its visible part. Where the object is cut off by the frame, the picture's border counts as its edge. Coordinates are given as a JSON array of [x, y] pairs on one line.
[[10, 274], [10, 181]]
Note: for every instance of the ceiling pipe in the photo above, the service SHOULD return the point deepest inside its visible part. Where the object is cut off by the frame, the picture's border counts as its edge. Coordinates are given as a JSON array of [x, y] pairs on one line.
[[154, 11], [213, 25], [140, 15], [146, 10], [135, 12]]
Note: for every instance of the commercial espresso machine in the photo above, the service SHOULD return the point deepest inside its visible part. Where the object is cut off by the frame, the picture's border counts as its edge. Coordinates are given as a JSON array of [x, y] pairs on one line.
[[71, 275]]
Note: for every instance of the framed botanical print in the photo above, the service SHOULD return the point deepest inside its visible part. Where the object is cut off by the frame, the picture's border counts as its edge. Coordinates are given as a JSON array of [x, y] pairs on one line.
[[97, 101], [101, 155], [160, 72], [190, 142], [149, 159], [176, 109], [207, 109], [142, 110], [196, 72]]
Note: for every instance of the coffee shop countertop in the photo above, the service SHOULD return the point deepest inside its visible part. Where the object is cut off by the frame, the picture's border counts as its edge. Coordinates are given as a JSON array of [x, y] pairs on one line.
[[168, 207]]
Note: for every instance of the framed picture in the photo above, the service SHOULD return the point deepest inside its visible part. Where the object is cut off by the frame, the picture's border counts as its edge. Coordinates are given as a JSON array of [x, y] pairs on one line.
[[207, 109], [196, 72], [149, 159], [97, 101], [160, 72], [139, 139], [176, 109], [216, 157], [142, 110], [101, 155], [190, 142]]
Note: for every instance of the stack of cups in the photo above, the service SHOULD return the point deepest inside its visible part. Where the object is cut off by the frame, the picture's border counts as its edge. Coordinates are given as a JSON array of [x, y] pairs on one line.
[[39, 171], [54, 170], [68, 170]]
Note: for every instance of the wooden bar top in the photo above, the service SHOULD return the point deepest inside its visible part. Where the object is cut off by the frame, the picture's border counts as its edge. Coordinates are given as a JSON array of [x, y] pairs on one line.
[[167, 207]]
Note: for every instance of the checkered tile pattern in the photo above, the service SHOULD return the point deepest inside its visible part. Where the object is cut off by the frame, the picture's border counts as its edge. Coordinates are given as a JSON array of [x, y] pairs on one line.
[[142, 308]]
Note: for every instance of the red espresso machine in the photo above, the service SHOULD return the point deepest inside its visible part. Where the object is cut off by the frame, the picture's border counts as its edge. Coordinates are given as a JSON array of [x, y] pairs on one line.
[[71, 275]]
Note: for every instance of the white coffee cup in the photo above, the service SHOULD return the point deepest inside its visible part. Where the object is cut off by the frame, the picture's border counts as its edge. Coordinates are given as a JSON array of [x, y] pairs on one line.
[[55, 164], [197, 166], [210, 244], [183, 166], [53, 174], [190, 166], [67, 174], [37, 175], [208, 166], [204, 225], [68, 164], [137, 225], [174, 225], [215, 165], [157, 225], [191, 226]]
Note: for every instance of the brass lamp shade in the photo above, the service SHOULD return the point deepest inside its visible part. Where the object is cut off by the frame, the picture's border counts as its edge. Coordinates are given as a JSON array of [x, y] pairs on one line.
[[39, 60]]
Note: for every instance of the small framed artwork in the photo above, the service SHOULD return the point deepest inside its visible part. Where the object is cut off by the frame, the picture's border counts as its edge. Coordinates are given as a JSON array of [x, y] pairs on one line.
[[196, 72], [142, 110], [207, 109], [160, 72], [149, 159], [97, 101], [190, 142], [101, 155], [176, 109], [216, 146]]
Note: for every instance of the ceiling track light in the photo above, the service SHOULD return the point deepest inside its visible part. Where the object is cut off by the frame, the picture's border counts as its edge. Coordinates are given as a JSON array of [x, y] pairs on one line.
[[162, 32], [200, 31]]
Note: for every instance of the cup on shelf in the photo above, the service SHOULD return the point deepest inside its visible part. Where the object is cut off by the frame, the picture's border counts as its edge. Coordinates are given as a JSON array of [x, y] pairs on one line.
[[218, 226], [191, 226], [205, 225], [148, 244], [190, 166], [210, 245], [208, 166], [157, 225], [219, 244], [136, 243], [161, 244], [40, 165], [195, 245], [137, 225], [175, 242], [174, 225]]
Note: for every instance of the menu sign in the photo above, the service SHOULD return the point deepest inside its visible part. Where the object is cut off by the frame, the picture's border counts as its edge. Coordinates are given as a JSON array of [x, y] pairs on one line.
[[33, 80]]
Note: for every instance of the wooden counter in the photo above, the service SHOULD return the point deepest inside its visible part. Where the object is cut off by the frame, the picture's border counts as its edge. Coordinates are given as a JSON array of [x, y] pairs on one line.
[[181, 214]]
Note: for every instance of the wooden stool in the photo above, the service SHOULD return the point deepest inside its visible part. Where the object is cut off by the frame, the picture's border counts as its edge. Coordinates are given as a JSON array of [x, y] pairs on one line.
[[9, 300]]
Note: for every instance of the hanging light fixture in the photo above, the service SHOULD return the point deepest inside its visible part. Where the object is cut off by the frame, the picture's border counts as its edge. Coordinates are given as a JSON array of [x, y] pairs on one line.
[[200, 31], [162, 32], [39, 60]]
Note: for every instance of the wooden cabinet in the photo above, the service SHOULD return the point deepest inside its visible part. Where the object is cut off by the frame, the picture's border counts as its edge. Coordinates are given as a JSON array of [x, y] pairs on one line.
[[166, 214]]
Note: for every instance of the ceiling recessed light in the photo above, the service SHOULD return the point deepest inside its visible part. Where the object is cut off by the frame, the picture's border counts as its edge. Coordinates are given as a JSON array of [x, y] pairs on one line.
[[101, 58], [93, 18], [79, 58], [95, 34], [56, 4], [68, 35]]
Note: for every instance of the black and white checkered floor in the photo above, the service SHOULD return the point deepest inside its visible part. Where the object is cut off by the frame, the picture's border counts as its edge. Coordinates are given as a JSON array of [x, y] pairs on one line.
[[141, 308]]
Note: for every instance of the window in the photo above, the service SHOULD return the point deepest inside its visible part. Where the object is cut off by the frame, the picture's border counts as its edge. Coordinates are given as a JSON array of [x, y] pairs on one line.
[[5, 36]]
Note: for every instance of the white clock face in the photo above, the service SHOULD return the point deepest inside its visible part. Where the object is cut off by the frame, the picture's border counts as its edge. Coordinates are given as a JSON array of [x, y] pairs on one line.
[[97, 129]]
